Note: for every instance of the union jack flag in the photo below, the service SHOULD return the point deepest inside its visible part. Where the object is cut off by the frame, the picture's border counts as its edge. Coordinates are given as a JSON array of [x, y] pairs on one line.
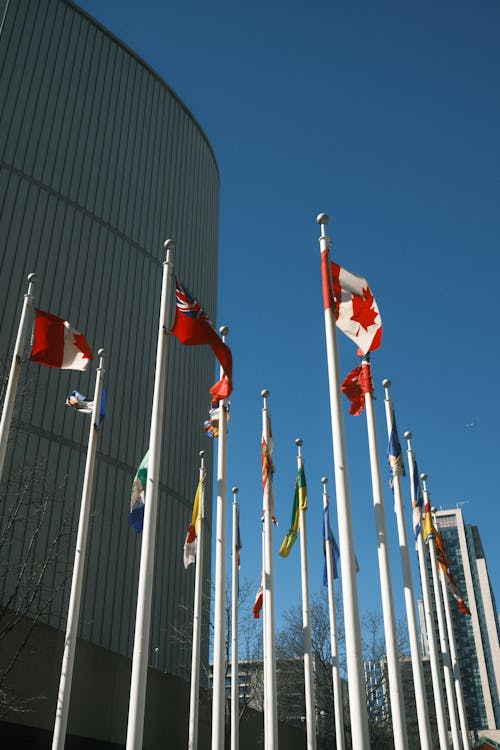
[[188, 305], [192, 326]]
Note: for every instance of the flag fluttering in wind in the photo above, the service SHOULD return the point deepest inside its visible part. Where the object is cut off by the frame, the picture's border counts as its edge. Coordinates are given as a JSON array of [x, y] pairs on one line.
[[191, 542], [417, 499], [80, 403], [356, 311], [451, 582], [356, 384], [268, 469], [192, 327], [429, 531], [259, 600], [57, 344], [239, 545], [137, 497], [328, 535], [299, 503], [394, 452]]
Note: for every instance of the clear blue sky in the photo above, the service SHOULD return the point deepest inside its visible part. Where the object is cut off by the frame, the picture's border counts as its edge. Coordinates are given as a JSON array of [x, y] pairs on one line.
[[387, 117]]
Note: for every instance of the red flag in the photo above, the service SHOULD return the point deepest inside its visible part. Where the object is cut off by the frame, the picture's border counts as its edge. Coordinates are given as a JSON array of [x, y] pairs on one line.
[[356, 311], [450, 579], [192, 327], [356, 384], [57, 344]]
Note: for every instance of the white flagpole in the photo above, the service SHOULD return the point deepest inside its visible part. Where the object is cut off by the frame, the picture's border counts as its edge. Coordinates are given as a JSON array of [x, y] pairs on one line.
[[429, 619], [455, 667], [270, 692], [15, 370], [398, 715], [445, 654], [354, 654], [337, 684], [219, 671], [235, 692], [64, 695], [306, 624], [140, 658], [411, 615], [198, 592]]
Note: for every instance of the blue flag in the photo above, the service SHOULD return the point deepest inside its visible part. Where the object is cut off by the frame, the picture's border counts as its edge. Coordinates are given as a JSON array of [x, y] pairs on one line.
[[417, 500], [328, 535], [394, 453]]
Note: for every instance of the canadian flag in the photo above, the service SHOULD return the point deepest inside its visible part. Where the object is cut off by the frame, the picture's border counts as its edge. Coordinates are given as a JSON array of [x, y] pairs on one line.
[[357, 314], [57, 344]]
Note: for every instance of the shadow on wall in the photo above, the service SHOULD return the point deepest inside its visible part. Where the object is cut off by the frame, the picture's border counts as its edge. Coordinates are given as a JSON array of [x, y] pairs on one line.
[[99, 702]]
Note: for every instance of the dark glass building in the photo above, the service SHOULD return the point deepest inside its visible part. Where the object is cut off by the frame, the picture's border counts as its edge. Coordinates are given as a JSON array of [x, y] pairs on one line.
[[100, 162]]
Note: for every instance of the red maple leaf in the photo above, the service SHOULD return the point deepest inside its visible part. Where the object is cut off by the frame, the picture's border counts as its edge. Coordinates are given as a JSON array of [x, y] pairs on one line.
[[362, 310]]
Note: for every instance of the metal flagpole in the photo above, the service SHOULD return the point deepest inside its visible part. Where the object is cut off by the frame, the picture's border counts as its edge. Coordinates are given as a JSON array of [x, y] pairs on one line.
[[198, 593], [337, 684], [354, 654], [15, 371], [445, 654], [235, 692], [455, 668], [398, 715], [64, 695], [411, 615], [219, 672], [429, 618], [140, 658], [306, 625], [270, 702]]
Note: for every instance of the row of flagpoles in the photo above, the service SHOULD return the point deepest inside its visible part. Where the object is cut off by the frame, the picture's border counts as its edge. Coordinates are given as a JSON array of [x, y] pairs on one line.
[[349, 306]]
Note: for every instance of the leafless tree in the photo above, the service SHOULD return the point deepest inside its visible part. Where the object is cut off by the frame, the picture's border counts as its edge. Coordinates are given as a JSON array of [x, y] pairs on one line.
[[33, 569]]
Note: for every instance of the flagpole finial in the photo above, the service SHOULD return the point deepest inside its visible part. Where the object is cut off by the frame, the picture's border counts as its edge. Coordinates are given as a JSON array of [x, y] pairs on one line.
[[101, 353], [407, 435], [423, 476], [264, 393], [169, 245], [32, 278], [322, 218], [223, 330], [298, 442], [324, 480], [386, 383], [201, 454], [235, 490]]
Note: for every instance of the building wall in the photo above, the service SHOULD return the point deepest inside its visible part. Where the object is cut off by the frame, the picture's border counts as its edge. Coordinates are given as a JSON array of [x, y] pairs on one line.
[[99, 707], [100, 162]]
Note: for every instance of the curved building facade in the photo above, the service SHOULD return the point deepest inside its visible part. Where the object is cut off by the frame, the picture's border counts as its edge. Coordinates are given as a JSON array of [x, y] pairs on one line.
[[100, 162]]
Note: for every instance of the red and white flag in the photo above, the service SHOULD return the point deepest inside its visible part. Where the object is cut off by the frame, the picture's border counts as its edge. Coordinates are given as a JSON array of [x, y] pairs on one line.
[[259, 600], [357, 314], [57, 344]]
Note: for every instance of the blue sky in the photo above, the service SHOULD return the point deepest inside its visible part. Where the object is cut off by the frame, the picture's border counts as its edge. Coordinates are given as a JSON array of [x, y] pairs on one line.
[[385, 116]]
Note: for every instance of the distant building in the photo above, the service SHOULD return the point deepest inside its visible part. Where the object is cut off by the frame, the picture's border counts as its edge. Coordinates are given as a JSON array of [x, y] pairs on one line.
[[477, 636], [291, 694]]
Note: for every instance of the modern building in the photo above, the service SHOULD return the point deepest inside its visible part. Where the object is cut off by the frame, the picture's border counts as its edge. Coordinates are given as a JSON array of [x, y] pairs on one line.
[[100, 163], [477, 635]]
